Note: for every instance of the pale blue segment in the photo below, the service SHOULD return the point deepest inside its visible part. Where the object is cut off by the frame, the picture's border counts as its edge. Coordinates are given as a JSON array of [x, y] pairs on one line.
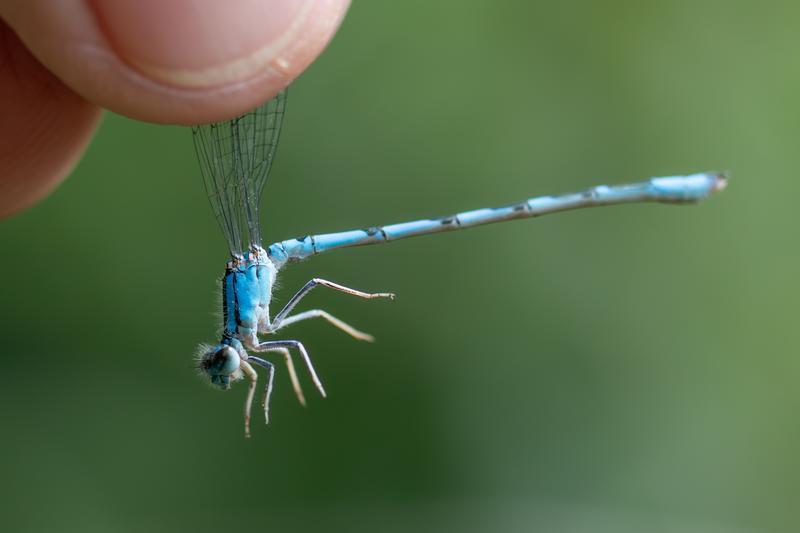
[[694, 187], [345, 238], [481, 216], [293, 247], [671, 189], [550, 204], [409, 229]]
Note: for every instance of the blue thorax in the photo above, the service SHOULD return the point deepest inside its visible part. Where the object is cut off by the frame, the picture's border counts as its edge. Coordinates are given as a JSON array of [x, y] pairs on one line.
[[246, 293]]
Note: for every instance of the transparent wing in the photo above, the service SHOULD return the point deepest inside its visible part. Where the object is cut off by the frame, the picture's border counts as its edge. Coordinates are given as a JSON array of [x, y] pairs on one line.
[[235, 158]]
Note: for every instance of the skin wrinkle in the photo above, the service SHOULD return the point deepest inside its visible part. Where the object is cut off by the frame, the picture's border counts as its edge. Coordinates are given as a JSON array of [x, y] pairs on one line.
[[102, 54], [191, 99], [241, 68]]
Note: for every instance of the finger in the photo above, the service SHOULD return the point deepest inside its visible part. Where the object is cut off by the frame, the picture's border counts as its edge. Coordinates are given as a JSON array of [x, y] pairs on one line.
[[181, 61], [44, 128]]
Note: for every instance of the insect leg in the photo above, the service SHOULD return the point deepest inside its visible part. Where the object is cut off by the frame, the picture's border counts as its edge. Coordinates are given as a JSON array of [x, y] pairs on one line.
[[319, 313], [268, 387], [270, 346], [281, 316], [292, 373], [248, 404]]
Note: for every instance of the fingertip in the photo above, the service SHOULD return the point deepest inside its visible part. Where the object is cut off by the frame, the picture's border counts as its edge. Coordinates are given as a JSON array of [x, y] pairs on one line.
[[182, 61], [200, 43]]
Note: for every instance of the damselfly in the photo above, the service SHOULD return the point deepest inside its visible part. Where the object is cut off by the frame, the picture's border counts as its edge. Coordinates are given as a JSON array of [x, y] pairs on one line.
[[235, 159]]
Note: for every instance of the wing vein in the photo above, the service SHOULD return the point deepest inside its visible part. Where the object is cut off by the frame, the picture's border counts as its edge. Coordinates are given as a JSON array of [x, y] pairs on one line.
[[235, 159]]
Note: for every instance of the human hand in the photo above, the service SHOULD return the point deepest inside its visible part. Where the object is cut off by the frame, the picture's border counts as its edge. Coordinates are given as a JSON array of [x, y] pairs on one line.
[[175, 61]]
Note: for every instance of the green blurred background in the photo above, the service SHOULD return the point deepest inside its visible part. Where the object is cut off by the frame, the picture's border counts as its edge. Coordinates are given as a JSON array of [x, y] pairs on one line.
[[617, 370]]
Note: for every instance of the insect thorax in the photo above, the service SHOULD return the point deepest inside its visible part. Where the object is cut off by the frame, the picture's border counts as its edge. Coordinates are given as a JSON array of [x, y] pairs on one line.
[[246, 294]]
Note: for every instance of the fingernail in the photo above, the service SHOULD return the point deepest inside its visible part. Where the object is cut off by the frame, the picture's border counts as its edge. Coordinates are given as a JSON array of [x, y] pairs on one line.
[[201, 43]]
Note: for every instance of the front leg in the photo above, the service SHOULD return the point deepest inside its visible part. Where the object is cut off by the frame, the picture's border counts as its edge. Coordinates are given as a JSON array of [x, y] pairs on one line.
[[248, 404], [281, 316], [270, 368]]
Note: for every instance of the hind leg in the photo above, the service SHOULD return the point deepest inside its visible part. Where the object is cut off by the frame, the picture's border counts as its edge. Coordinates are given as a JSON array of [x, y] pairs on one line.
[[293, 301], [319, 313]]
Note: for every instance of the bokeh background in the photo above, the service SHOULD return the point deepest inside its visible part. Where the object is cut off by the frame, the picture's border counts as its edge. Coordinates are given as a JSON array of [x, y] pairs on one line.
[[616, 370]]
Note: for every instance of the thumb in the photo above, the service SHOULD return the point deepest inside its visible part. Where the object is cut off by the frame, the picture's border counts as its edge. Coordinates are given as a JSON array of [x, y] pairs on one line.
[[175, 61], [179, 61]]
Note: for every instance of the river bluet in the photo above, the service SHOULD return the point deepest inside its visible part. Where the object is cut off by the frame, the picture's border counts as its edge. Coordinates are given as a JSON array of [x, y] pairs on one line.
[[235, 159]]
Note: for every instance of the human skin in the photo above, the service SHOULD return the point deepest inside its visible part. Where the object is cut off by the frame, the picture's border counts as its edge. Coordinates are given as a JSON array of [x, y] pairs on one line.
[[172, 62]]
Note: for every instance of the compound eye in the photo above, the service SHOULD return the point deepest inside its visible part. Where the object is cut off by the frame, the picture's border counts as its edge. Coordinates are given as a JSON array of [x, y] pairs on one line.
[[224, 362]]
